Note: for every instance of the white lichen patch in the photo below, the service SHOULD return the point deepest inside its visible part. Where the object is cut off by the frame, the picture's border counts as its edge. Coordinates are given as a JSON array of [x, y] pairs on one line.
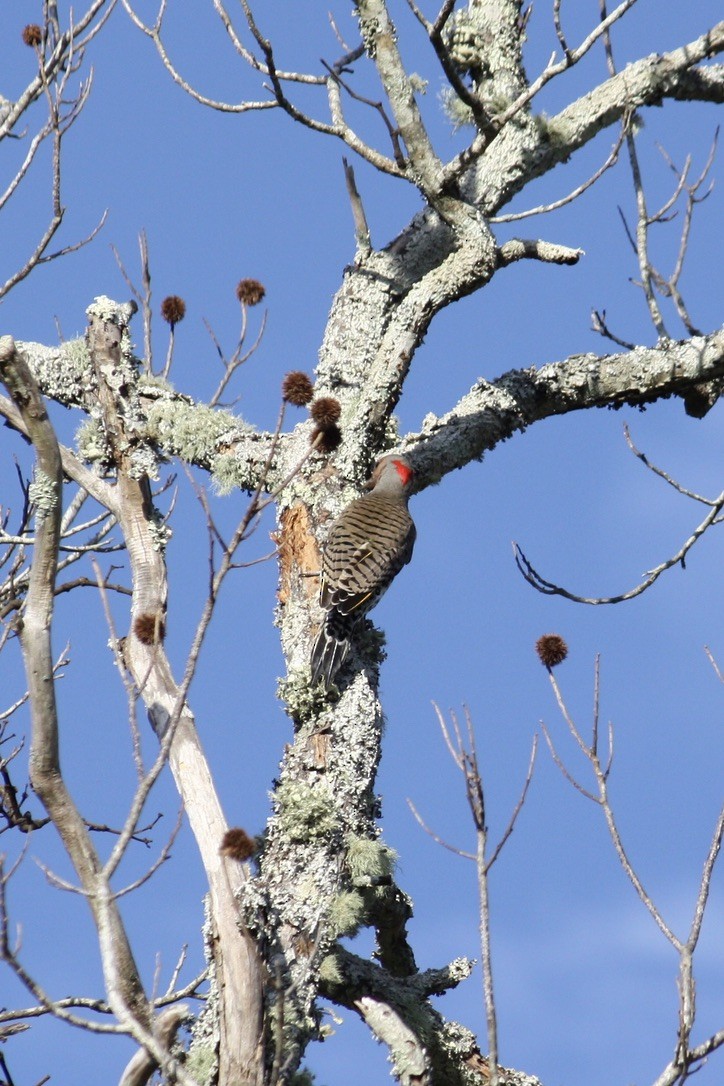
[[305, 812], [153, 383], [160, 532], [302, 701], [64, 373], [90, 440], [43, 494], [144, 462]]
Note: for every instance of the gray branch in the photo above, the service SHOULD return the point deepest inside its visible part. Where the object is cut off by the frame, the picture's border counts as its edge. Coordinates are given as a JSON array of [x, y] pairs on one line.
[[493, 411]]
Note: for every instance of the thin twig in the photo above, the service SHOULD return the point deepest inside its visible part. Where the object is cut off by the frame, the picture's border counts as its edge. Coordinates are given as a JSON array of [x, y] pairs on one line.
[[685, 1057], [602, 800], [543, 209]]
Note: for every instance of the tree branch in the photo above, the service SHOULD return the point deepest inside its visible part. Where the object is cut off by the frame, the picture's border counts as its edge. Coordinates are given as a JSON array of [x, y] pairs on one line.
[[493, 411], [503, 171], [123, 984], [236, 961]]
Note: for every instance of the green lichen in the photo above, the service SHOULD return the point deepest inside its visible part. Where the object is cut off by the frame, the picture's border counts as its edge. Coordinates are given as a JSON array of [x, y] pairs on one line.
[[64, 373], [548, 129], [392, 433], [461, 1044], [75, 357], [329, 971], [457, 112], [189, 430], [302, 701], [306, 812], [105, 309], [368, 861], [303, 1077], [160, 532], [461, 968], [201, 1062], [154, 381], [225, 473], [296, 1019], [90, 440], [347, 913], [369, 29], [466, 43], [202, 1059], [372, 642], [144, 462]]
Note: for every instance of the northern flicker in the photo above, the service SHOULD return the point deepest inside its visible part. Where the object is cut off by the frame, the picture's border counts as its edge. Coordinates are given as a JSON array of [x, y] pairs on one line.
[[368, 544]]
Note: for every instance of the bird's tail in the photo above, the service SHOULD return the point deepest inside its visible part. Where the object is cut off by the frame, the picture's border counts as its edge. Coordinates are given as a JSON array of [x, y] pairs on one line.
[[330, 649]]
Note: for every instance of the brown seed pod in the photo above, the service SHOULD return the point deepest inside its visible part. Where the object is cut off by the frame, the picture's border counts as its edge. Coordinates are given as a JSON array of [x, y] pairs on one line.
[[173, 309], [297, 388], [552, 650], [325, 411], [32, 35], [237, 844], [250, 291], [150, 628], [330, 438]]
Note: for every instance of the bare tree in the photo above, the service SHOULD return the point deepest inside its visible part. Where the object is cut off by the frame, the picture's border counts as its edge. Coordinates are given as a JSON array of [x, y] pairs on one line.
[[279, 907]]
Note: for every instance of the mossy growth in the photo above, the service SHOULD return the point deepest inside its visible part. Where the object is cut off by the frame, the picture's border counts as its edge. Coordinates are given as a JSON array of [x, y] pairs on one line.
[[457, 112], [75, 357], [201, 1062], [144, 462], [372, 642], [160, 532], [154, 381], [329, 972], [302, 701], [225, 473], [368, 861], [90, 440], [305, 812], [302, 1077], [461, 1045], [347, 913], [190, 431]]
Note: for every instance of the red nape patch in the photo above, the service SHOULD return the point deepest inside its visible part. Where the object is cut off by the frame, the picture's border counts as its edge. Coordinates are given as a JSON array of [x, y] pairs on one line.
[[403, 471]]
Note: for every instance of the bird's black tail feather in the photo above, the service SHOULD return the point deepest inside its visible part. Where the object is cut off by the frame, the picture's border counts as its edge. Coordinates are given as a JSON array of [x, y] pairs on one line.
[[329, 652]]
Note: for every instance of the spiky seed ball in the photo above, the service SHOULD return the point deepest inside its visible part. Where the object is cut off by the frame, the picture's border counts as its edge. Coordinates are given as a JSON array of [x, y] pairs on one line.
[[237, 844], [250, 291], [325, 411], [173, 309], [297, 388], [32, 35], [552, 650], [330, 438], [149, 628]]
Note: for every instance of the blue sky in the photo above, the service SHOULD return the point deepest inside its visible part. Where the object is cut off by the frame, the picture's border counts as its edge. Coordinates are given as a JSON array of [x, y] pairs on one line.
[[586, 985]]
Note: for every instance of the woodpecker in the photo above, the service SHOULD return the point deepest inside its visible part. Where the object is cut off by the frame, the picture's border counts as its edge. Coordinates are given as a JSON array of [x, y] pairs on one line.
[[368, 544]]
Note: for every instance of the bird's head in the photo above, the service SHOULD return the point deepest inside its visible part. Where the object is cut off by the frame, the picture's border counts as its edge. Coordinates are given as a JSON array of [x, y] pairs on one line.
[[392, 474]]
